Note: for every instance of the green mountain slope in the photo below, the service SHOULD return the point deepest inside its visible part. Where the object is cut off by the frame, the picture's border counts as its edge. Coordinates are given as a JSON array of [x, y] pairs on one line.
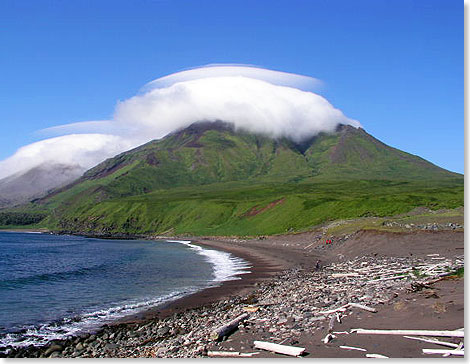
[[353, 153], [211, 179]]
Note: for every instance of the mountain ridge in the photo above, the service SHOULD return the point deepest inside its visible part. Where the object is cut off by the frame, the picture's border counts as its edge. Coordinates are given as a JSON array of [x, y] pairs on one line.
[[212, 179], [352, 150]]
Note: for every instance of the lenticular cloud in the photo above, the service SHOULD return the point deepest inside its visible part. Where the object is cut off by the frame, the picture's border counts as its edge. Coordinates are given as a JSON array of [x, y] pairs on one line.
[[279, 78], [250, 104], [274, 103]]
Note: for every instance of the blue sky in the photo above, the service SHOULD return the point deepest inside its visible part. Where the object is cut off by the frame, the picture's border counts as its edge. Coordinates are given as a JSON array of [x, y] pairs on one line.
[[396, 66]]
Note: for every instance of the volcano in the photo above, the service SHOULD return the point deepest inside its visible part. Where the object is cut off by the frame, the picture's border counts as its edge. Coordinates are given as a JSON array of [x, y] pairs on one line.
[[212, 178]]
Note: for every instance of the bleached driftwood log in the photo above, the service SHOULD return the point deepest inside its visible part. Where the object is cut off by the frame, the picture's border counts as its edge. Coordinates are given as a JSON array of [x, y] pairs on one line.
[[227, 329], [339, 309], [376, 356], [328, 338], [280, 349], [433, 341], [459, 347], [444, 351], [342, 275], [385, 279], [447, 333], [351, 348], [346, 306], [362, 307]]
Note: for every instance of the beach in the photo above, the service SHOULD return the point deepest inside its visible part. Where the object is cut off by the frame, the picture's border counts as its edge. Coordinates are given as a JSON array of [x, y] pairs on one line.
[[294, 279]]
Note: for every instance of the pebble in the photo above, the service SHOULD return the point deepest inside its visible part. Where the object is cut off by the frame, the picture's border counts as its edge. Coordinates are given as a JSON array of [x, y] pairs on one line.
[[289, 306], [53, 348]]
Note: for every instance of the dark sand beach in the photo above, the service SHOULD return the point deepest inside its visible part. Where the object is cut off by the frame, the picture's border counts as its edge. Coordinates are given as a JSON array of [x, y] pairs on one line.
[[286, 293]]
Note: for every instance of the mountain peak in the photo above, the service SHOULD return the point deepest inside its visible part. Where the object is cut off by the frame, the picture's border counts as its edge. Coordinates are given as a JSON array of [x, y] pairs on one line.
[[199, 127], [174, 181]]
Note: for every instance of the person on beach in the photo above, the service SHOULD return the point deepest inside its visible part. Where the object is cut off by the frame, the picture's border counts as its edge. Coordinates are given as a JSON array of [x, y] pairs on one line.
[[318, 265]]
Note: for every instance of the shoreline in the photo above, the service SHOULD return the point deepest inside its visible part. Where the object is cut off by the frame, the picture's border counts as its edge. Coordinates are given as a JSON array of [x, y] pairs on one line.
[[169, 328], [260, 270]]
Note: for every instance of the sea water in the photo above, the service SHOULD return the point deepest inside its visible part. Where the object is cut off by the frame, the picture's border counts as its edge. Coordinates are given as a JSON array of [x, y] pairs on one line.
[[54, 286]]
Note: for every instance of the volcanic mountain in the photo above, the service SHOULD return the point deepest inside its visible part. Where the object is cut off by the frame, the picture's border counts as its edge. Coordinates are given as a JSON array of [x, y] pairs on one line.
[[36, 182], [212, 179], [210, 152]]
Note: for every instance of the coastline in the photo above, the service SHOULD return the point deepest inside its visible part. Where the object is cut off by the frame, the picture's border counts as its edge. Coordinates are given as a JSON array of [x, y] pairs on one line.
[[164, 330], [264, 266], [259, 270]]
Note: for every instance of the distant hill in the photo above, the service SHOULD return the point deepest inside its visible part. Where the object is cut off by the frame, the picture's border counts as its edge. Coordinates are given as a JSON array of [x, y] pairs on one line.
[[36, 182]]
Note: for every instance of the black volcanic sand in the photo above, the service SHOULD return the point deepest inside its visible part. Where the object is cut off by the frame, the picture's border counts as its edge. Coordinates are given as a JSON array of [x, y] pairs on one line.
[[409, 310], [266, 260], [271, 256], [420, 310]]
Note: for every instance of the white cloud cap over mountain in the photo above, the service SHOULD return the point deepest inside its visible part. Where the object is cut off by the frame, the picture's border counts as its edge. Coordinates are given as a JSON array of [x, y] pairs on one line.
[[255, 99], [248, 103]]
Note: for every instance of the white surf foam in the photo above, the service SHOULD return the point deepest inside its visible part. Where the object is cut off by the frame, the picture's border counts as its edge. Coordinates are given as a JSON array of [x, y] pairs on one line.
[[226, 267], [70, 326]]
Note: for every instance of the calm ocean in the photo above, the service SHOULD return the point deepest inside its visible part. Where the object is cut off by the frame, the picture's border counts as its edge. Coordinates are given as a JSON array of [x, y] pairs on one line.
[[52, 286]]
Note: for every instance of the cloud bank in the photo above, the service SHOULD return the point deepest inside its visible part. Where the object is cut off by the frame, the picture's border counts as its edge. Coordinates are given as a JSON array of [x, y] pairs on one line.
[[250, 104], [82, 150], [274, 103]]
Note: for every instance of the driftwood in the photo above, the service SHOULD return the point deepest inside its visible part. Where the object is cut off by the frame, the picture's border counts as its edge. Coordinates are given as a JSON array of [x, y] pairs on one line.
[[341, 275], [227, 329], [346, 306], [339, 309], [331, 323], [280, 349], [376, 356], [444, 351], [385, 279], [459, 347], [351, 348], [362, 307], [229, 354], [433, 341], [447, 333], [328, 338]]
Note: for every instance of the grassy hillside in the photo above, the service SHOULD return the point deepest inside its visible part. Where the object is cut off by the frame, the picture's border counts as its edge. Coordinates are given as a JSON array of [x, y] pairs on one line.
[[245, 209], [209, 179]]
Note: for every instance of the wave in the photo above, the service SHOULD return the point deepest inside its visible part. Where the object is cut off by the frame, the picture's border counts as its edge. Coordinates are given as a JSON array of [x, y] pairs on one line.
[[70, 326], [226, 266], [21, 282]]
